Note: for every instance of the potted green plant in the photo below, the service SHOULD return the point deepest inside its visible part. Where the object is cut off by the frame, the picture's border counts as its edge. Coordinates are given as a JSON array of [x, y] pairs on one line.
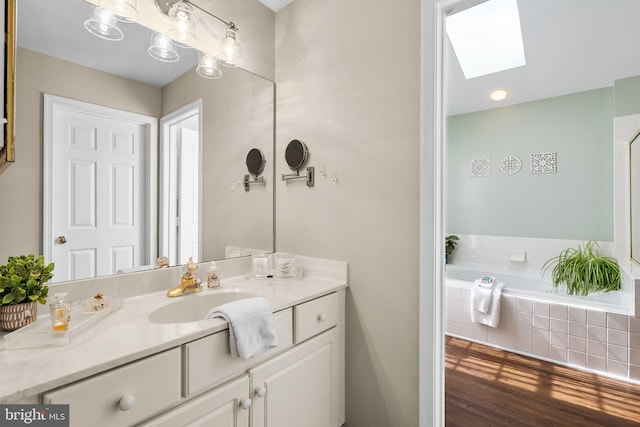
[[22, 286], [584, 270], [450, 243]]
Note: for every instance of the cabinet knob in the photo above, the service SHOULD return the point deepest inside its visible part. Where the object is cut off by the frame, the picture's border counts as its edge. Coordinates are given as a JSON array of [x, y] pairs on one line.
[[245, 403], [261, 391], [322, 317], [126, 402]]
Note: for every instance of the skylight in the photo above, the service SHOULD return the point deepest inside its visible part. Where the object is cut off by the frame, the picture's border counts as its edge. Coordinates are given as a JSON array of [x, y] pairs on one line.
[[487, 38]]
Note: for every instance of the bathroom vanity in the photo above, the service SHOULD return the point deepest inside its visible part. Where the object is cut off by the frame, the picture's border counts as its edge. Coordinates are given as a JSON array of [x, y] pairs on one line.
[[141, 366]]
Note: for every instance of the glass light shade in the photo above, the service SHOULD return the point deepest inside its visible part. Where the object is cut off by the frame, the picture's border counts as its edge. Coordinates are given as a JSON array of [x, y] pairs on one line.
[[208, 66], [184, 30], [126, 9], [231, 54], [162, 48], [103, 24]]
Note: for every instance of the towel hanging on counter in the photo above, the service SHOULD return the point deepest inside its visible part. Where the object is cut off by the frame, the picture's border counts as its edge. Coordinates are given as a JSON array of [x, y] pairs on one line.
[[252, 328], [485, 304]]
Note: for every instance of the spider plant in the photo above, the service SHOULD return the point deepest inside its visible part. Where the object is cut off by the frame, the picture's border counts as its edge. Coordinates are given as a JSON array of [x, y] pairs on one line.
[[583, 270]]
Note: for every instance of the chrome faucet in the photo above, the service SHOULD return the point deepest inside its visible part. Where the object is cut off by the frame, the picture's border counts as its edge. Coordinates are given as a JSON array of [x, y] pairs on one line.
[[189, 283]]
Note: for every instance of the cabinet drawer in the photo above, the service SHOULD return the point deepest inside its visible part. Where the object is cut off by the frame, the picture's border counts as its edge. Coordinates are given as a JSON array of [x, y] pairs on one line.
[[208, 361], [154, 384], [219, 407], [315, 316]]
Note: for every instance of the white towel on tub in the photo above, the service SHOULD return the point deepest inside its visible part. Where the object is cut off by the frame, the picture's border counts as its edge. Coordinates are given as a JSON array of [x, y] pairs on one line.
[[252, 328], [492, 316], [481, 295]]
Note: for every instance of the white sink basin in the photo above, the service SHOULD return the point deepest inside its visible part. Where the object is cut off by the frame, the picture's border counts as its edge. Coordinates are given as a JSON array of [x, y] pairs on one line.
[[193, 307]]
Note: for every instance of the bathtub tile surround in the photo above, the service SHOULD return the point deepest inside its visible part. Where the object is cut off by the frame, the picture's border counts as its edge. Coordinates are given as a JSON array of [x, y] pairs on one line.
[[495, 250], [607, 343]]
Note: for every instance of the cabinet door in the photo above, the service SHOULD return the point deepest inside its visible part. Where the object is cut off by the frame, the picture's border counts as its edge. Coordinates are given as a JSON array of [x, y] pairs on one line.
[[299, 387], [221, 407]]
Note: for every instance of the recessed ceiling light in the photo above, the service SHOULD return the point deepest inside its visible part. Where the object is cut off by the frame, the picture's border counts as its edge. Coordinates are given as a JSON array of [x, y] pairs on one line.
[[487, 38], [499, 94]]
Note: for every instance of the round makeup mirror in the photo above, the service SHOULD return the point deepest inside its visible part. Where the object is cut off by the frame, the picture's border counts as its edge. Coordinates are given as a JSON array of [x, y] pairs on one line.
[[296, 154], [255, 162]]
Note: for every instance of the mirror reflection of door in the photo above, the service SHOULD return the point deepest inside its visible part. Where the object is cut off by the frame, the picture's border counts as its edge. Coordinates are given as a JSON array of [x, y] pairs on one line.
[[181, 180], [95, 188]]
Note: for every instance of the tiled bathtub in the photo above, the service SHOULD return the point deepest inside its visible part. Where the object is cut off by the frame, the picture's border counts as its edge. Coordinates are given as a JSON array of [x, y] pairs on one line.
[[585, 334]]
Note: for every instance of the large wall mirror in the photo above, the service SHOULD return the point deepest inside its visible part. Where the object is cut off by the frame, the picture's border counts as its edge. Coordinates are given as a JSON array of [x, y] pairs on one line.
[[539, 163], [61, 69]]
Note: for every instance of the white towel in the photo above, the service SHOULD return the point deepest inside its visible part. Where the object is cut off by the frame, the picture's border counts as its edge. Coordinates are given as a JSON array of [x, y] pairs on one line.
[[481, 295], [492, 316], [252, 328]]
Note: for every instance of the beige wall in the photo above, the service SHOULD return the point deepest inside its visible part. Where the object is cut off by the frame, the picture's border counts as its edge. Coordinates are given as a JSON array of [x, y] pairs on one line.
[[21, 183], [237, 116], [348, 85]]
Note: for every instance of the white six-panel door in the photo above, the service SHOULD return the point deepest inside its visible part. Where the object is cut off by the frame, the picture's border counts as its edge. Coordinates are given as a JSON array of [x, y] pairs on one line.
[[98, 190]]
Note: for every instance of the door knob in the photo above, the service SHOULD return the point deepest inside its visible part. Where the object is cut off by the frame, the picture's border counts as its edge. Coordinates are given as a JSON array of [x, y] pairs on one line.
[[261, 391], [61, 240]]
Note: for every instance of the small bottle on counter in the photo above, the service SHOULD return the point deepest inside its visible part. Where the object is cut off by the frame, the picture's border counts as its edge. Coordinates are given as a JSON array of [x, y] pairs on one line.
[[60, 308], [213, 278]]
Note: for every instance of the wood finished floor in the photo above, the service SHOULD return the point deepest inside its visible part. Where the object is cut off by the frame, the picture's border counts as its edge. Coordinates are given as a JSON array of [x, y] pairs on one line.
[[485, 386]]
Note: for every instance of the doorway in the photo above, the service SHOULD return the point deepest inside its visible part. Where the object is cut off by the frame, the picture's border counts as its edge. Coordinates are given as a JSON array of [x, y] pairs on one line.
[[99, 195], [181, 184]]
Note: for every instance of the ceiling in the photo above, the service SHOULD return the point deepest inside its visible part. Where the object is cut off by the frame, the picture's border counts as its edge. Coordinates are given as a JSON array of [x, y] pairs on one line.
[[275, 5], [570, 46]]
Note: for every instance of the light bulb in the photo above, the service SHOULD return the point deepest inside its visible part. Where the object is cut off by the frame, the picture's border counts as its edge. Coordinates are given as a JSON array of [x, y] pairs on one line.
[[103, 24], [126, 9], [184, 31], [230, 55], [162, 48], [499, 94], [208, 66]]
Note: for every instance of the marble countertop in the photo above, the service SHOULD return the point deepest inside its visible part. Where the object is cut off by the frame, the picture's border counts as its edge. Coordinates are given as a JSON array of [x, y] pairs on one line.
[[127, 334]]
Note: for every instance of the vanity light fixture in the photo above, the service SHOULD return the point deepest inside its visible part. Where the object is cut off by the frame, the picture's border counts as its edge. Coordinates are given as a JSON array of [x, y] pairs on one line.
[[102, 23], [499, 94], [184, 32], [231, 54], [162, 48], [126, 9], [208, 66]]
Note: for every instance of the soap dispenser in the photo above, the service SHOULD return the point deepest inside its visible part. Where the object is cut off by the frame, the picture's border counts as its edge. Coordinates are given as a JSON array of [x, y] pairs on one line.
[[213, 278]]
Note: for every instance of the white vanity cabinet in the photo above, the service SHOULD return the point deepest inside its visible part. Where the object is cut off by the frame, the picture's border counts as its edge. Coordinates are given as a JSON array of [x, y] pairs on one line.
[[198, 383], [299, 387], [305, 385]]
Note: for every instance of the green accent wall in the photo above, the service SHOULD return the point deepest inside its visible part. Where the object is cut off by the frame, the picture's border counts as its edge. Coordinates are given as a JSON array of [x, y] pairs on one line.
[[576, 202], [627, 93]]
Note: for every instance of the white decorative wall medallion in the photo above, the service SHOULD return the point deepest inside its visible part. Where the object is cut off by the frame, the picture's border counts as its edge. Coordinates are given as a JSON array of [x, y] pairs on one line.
[[543, 162], [510, 165], [481, 167]]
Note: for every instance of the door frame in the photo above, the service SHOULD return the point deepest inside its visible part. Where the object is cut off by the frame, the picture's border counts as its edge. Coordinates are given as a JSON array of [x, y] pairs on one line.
[[150, 185], [166, 122]]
